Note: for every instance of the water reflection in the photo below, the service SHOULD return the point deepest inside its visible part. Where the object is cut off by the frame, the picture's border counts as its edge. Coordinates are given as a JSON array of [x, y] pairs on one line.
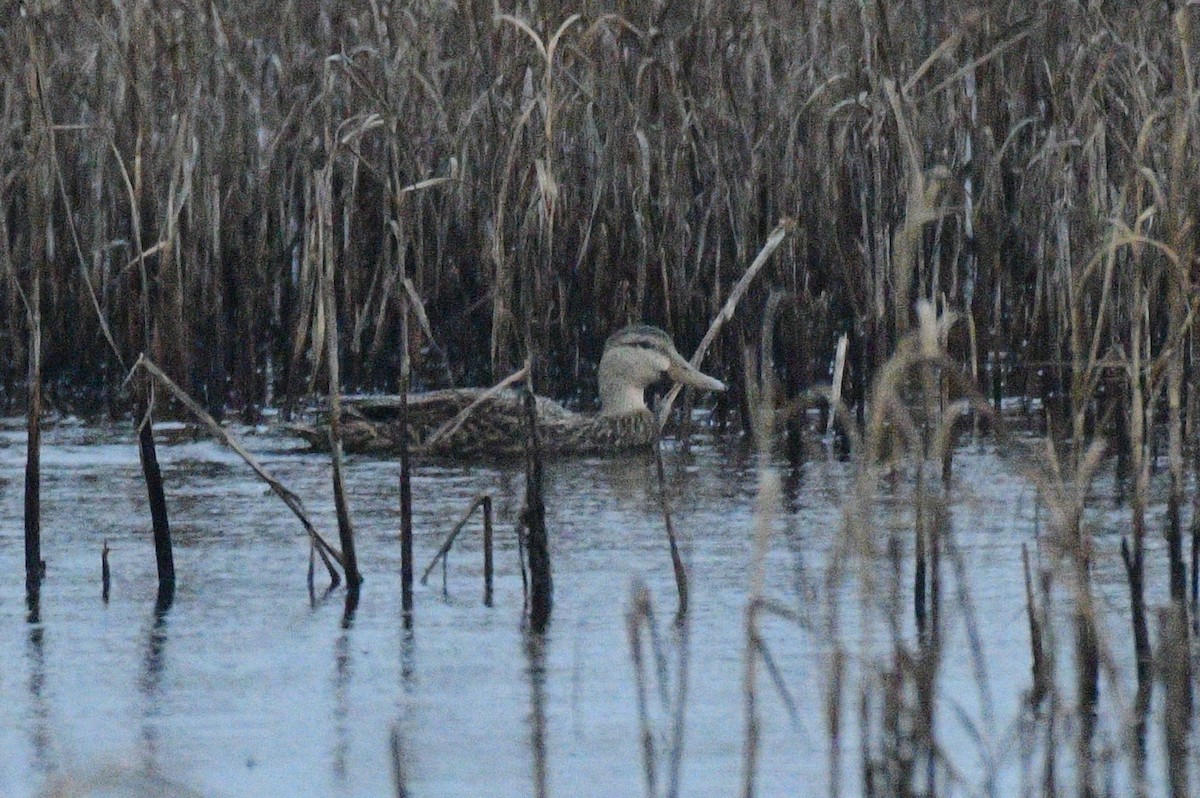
[[40, 726], [535, 655], [151, 678], [342, 674], [626, 475], [408, 655], [482, 706]]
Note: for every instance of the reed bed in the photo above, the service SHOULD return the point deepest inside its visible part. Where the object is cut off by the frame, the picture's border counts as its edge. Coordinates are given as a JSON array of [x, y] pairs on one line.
[[620, 167]]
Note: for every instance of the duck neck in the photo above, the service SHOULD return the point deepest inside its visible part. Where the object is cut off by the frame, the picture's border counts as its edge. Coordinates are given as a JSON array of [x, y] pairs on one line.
[[621, 399]]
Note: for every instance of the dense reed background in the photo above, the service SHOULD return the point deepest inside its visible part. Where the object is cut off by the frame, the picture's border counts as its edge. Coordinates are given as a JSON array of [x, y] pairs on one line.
[[626, 165]]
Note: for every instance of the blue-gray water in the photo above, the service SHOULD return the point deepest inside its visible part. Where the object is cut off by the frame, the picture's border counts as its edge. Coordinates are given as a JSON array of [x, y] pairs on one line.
[[244, 688]]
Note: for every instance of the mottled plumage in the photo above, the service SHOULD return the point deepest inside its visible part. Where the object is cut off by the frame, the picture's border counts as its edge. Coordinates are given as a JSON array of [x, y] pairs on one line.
[[633, 358]]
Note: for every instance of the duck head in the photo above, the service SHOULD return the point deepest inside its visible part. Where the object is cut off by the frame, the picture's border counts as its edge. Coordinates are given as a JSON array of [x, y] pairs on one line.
[[637, 357]]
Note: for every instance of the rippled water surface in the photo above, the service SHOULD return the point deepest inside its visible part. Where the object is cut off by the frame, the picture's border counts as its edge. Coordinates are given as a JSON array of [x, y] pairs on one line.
[[246, 687]]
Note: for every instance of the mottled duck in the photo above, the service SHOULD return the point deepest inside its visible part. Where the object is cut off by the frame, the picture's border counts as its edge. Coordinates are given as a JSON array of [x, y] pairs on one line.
[[634, 358]]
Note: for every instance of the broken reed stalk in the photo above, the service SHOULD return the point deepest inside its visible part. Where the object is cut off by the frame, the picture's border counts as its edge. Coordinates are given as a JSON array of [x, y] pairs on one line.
[[835, 389], [920, 567], [681, 578], [143, 390], [541, 584], [406, 526], [773, 241], [328, 553], [483, 501], [451, 426]]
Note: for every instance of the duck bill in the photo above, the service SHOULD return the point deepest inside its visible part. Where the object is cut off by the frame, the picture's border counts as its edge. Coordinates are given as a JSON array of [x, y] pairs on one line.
[[682, 372]]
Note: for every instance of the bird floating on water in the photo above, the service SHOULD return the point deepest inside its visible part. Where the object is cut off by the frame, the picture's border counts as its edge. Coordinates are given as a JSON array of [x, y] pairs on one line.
[[634, 358]]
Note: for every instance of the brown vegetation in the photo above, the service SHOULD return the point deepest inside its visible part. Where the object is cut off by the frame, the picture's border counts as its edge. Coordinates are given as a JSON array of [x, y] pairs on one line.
[[622, 167]]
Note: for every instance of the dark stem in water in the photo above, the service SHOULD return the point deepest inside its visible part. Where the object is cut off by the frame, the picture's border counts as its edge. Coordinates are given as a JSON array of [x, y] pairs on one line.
[[1135, 573], [406, 528], [487, 551], [39, 187], [328, 275], [1175, 673], [541, 584], [1040, 675], [1195, 586], [33, 459], [163, 556], [105, 575]]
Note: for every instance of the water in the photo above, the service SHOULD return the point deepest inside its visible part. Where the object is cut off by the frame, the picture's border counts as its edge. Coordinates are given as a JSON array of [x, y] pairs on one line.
[[246, 687]]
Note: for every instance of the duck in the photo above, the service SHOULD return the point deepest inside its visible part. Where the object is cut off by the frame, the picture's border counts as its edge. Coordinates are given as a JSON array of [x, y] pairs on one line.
[[634, 358]]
